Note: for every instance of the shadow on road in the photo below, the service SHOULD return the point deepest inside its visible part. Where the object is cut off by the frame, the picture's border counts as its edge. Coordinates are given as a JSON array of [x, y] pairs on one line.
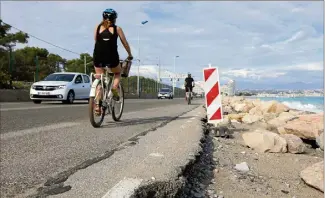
[[136, 121]]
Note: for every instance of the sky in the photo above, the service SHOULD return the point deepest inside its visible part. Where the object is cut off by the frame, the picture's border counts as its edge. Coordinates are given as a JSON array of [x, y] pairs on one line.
[[258, 44]]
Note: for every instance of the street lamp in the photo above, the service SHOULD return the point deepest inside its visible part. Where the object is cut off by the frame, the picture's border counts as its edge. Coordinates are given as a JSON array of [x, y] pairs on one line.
[[138, 80], [174, 77]]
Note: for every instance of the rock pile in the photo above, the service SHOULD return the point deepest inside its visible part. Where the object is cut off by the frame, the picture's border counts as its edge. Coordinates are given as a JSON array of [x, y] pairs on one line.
[[280, 130]]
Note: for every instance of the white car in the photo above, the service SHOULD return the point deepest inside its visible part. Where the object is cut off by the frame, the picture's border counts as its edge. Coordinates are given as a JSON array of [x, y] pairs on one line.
[[61, 86], [165, 93]]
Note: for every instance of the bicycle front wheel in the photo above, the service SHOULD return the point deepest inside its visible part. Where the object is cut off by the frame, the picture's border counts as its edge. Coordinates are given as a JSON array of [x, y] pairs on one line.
[[118, 106], [96, 119]]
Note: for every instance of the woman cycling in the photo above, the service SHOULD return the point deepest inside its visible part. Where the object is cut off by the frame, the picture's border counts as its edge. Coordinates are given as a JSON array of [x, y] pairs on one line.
[[106, 53]]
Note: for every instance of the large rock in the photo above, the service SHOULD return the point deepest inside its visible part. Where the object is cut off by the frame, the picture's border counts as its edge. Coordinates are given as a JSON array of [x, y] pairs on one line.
[[305, 126], [257, 102], [320, 141], [265, 141], [278, 108], [249, 105], [283, 118], [249, 119], [256, 111], [274, 107], [239, 107], [314, 175], [227, 109], [295, 144], [237, 117], [269, 116]]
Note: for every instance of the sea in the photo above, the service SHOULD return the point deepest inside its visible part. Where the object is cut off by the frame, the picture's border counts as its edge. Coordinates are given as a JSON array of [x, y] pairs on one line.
[[312, 104]]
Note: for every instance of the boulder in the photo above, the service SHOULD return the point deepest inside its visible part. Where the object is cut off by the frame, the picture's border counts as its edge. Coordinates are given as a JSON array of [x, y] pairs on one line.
[[305, 126], [237, 117], [283, 118], [247, 107], [314, 175], [265, 141], [320, 141], [269, 116], [278, 108], [257, 102], [295, 144], [256, 111], [227, 109], [239, 107], [249, 119], [267, 105]]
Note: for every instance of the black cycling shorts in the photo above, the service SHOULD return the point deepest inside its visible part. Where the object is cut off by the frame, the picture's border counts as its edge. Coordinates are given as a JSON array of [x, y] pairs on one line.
[[111, 64], [188, 88]]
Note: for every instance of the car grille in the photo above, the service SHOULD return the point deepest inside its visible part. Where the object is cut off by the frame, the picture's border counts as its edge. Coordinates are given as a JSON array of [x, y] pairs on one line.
[[45, 88], [49, 96]]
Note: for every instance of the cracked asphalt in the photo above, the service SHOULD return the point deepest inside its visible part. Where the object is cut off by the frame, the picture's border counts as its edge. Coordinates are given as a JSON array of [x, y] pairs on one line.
[[42, 141]]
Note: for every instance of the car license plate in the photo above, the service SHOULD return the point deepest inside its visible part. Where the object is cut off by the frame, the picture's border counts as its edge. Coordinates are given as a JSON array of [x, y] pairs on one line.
[[163, 97], [44, 93]]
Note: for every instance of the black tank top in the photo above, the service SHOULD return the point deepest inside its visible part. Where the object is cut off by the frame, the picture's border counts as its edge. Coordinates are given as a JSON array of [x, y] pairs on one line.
[[106, 43]]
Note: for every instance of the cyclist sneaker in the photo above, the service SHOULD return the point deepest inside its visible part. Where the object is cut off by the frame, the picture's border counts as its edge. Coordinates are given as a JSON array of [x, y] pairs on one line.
[[116, 97]]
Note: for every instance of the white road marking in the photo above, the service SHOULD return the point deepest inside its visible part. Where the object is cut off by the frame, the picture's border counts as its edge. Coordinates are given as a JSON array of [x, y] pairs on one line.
[[156, 155], [123, 189], [189, 121], [193, 118], [34, 130], [42, 107]]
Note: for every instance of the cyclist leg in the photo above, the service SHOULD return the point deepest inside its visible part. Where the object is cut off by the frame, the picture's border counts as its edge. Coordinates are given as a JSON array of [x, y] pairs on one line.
[[191, 90], [117, 78], [98, 96]]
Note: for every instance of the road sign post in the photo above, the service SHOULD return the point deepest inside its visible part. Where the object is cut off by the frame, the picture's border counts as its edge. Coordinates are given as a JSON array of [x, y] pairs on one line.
[[212, 95]]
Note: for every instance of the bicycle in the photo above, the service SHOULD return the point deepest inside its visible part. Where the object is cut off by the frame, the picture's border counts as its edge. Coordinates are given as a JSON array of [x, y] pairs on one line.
[[107, 103], [188, 96]]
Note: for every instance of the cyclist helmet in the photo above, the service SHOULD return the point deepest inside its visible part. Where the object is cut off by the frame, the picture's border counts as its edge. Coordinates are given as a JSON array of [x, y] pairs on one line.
[[109, 14], [189, 74]]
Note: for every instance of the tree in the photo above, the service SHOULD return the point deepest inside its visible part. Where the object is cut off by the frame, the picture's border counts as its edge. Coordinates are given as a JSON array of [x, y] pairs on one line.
[[78, 64], [7, 41]]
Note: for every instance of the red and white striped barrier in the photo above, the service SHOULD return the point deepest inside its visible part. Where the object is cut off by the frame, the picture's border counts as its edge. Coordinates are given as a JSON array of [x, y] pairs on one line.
[[212, 95]]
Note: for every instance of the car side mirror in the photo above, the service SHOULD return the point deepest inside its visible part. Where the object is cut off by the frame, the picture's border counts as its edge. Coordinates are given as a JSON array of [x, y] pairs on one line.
[[77, 81]]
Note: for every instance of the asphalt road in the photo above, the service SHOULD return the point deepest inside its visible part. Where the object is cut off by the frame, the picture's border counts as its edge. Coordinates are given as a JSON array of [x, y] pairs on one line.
[[51, 139]]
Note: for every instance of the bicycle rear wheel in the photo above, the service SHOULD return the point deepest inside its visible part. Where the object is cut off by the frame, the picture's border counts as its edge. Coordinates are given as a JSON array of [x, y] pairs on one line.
[[118, 106], [91, 111], [189, 97]]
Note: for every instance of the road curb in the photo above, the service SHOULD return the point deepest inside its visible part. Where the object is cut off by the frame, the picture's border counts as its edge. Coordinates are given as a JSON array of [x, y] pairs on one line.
[[175, 186]]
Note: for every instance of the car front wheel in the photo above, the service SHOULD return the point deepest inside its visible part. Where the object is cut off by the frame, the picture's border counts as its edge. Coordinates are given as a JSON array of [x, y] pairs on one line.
[[70, 98]]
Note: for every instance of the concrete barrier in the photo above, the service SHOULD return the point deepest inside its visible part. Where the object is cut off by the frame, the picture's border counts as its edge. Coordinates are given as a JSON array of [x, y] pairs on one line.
[[22, 95], [11, 95]]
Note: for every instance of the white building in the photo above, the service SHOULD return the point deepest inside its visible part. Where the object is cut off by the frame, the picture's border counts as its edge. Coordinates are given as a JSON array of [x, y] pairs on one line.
[[229, 88]]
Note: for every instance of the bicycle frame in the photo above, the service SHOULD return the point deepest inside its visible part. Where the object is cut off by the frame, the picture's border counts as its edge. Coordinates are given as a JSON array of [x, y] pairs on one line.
[[106, 81]]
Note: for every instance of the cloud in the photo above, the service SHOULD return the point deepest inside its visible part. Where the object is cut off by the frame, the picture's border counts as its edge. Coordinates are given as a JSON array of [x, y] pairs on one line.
[[245, 39]]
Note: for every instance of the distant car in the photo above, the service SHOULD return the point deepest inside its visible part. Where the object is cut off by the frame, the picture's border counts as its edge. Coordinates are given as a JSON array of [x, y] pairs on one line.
[[62, 86], [165, 93]]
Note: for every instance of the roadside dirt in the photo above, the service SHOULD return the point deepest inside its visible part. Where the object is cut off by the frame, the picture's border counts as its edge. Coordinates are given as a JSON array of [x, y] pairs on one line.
[[270, 175]]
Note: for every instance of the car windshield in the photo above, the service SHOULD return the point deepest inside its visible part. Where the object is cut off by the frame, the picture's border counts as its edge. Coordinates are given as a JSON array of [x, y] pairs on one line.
[[164, 90], [59, 77]]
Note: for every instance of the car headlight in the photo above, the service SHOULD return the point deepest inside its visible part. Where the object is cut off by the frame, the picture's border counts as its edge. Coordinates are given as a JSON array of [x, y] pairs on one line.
[[61, 87]]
